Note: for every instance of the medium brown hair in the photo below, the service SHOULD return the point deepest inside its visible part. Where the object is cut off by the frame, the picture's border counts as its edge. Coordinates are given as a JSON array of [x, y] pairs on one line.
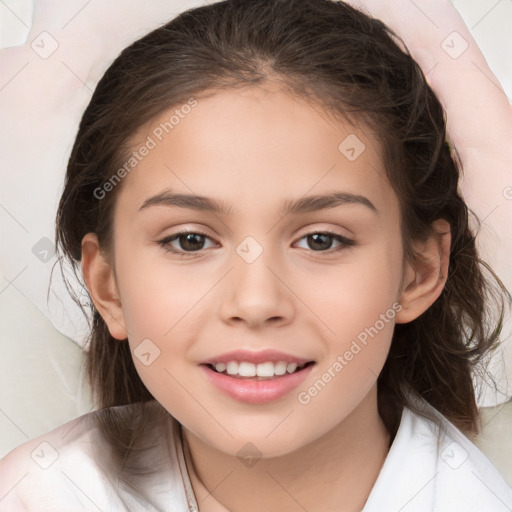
[[351, 65]]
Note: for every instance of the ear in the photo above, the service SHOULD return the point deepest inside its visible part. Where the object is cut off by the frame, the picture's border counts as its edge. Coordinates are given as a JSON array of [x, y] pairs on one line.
[[100, 280], [424, 281]]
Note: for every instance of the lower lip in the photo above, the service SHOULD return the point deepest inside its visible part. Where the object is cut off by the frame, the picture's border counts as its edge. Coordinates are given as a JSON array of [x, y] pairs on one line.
[[256, 391]]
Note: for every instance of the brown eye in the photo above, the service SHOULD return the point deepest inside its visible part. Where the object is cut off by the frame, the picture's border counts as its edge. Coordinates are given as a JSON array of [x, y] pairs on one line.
[[190, 241], [185, 242], [322, 241]]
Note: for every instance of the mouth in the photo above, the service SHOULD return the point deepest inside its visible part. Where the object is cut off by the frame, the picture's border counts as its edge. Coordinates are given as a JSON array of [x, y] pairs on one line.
[[256, 377], [268, 370]]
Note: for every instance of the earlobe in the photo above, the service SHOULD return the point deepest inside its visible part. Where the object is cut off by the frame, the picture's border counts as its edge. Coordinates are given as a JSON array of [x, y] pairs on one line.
[[100, 280], [424, 282]]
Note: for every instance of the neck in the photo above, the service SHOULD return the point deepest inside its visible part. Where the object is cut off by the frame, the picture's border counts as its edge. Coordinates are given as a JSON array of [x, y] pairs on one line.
[[335, 472]]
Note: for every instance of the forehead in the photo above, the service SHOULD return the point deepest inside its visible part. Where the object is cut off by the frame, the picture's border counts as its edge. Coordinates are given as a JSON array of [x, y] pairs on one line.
[[253, 144]]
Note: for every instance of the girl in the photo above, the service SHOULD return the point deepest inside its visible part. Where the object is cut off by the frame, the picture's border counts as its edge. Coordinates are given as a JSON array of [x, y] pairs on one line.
[[287, 300]]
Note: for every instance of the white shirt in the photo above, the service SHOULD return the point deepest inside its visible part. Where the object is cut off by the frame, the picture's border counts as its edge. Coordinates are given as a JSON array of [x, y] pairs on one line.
[[75, 468]]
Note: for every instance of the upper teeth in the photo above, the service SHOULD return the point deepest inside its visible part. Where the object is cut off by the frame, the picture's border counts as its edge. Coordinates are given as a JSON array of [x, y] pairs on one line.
[[246, 369]]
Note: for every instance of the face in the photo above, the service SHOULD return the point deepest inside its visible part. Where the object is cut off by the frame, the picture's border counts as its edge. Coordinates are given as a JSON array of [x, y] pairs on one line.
[[271, 280]]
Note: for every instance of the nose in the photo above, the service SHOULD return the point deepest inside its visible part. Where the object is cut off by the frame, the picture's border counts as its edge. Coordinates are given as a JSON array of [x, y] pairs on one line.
[[257, 294]]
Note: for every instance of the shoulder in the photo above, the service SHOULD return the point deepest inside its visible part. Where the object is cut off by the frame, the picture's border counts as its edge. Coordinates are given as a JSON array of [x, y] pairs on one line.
[[433, 466], [29, 471], [467, 479], [107, 460]]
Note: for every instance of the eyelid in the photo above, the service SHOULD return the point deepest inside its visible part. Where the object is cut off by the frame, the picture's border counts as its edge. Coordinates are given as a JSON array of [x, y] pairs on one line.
[[325, 230], [166, 240], [345, 241]]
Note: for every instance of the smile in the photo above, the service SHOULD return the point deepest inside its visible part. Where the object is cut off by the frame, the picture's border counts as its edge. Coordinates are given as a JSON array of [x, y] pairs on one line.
[[266, 370], [256, 377]]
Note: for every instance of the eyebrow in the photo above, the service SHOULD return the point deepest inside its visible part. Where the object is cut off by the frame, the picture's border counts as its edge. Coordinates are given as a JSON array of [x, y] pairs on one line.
[[303, 205]]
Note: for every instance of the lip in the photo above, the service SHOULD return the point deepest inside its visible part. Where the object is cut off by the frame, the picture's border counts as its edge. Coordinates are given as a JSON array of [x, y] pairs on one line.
[[256, 357], [252, 391]]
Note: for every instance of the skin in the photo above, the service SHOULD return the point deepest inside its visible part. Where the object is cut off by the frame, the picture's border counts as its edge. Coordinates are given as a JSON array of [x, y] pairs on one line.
[[255, 148]]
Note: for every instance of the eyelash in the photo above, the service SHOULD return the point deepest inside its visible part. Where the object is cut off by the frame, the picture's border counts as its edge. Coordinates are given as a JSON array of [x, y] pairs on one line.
[[165, 242]]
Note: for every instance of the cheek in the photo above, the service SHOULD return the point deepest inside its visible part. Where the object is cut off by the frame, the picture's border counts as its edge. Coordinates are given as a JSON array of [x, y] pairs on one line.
[[161, 303], [355, 355], [361, 310], [158, 294], [157, 307], [355, 294]]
